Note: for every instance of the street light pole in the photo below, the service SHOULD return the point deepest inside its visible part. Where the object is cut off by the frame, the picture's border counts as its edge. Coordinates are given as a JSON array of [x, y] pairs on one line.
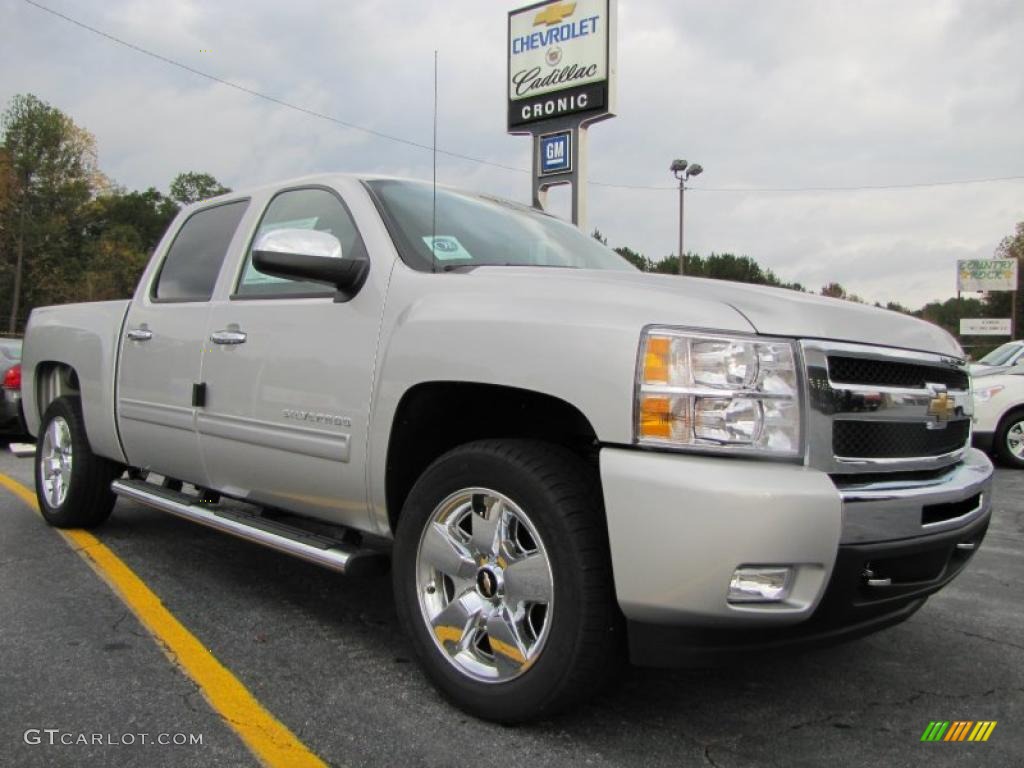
[[683, 171], [682, 210]]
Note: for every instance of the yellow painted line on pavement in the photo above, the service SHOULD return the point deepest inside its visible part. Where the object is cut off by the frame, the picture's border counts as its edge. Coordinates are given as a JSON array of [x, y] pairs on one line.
[[270, 740]]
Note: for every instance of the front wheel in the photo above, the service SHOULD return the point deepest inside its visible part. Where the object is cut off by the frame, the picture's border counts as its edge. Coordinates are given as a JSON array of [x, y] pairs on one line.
[[72, 483], [503, 580], [1009, 440]]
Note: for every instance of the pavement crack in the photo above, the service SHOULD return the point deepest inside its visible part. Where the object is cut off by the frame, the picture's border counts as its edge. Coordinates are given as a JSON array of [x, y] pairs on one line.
[[117, 624], [992, 640]]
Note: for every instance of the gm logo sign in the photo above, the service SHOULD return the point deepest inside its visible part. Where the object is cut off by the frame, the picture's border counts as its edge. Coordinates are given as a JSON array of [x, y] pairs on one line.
[[556, 153]]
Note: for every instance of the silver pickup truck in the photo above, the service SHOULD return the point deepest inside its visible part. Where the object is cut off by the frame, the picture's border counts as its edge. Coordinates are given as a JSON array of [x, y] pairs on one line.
[[567, 461]]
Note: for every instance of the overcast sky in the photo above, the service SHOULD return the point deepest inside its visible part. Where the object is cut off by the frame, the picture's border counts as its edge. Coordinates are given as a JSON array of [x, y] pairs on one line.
[[762, 94]]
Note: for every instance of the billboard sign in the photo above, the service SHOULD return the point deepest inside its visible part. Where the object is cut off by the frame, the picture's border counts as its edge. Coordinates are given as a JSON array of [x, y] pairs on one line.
[[986, 275], [560, 61], [985, 326]]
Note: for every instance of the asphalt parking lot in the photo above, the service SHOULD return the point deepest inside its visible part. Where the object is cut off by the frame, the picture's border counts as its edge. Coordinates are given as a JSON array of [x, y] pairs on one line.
[[323, 653]]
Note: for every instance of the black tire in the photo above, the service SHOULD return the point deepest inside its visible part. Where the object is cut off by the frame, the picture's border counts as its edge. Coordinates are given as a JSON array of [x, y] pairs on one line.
[[584, 644], [88, 500], [1001, 442]]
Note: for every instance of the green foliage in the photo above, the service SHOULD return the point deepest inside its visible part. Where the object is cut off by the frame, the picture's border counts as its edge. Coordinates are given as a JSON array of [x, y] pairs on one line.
[[193, 186], [51, 167], [635, 258], [66, 233], [148, 213]]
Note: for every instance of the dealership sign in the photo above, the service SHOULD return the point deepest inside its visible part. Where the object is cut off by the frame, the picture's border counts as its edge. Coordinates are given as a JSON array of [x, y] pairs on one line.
[[555, 153], [559, 61], [985, 326], [986, 275]]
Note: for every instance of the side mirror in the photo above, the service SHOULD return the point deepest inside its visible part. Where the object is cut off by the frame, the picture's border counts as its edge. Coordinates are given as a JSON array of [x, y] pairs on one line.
[[307, 254]]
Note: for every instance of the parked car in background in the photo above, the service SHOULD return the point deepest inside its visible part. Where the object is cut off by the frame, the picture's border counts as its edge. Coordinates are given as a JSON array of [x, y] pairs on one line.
[[11, 421], [999, 359], [999, 415]]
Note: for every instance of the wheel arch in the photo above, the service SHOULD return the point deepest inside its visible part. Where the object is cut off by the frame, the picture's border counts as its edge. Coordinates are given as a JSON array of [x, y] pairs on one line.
[[434, 417], [53, 379]]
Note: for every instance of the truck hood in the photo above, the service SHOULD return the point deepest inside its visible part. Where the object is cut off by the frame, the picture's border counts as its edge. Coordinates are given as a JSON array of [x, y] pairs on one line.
[[770, 311]]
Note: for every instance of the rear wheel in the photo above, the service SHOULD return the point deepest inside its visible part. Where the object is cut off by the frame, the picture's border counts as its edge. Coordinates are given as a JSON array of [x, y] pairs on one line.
[[72, 483], [1009, 441], [503, 582]]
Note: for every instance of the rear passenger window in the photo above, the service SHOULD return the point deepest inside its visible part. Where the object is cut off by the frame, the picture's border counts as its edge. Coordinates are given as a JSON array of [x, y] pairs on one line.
[[190, 270], [312, 208]]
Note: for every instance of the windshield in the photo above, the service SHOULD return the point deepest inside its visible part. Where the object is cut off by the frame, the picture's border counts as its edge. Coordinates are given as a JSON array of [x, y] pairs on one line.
[[1001, 355], [472, 231]]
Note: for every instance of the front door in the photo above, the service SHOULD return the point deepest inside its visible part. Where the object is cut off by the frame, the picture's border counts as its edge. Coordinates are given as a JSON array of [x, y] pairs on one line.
[[162, 347], [288, 373]]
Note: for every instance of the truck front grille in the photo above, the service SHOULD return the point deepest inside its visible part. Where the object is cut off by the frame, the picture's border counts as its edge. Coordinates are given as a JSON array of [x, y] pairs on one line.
[[896, 440], [888, 373], [883, 410]]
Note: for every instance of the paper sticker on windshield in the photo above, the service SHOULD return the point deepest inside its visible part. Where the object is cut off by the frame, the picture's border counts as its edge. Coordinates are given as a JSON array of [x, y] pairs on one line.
[[447, 248]]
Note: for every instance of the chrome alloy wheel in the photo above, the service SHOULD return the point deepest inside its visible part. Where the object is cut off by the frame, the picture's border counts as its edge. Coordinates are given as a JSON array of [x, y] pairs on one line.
[[484, 584], [1015, 439], [55, 465]]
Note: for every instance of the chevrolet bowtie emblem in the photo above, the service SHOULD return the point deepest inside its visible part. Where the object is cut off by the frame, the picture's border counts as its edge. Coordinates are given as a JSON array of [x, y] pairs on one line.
[[942, 407], [554, 14]]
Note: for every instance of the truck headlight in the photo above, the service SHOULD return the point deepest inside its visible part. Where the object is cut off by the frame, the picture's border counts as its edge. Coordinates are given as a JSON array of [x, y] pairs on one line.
[[718, 392]]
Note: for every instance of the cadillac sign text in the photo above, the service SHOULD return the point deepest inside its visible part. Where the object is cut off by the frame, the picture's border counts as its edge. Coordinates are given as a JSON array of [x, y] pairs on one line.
[[558, 61]]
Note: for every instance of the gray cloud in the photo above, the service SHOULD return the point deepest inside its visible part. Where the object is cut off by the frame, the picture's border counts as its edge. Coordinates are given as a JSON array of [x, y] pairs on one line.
[[768, 94]]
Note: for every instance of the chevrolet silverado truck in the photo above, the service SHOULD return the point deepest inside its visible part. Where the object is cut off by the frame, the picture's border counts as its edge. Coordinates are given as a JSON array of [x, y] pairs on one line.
[[566, 461]]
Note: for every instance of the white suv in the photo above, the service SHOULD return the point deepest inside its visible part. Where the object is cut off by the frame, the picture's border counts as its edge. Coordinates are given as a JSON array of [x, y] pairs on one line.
[[999, 415]]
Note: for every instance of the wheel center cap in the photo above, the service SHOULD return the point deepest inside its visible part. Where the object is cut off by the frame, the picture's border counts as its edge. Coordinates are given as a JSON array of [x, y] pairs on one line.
[[487, 583]]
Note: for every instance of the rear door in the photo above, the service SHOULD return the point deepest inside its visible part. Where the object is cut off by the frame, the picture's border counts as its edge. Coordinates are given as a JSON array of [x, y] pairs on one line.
[[288, 373], [162, 346]]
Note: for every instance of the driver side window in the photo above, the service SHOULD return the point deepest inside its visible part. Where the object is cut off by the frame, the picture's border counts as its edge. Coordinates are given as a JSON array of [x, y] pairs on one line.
[[313, 208]]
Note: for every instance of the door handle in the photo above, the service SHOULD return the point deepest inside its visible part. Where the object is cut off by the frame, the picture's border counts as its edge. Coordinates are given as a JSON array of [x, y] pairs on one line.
[[228, 337], [139, 334]]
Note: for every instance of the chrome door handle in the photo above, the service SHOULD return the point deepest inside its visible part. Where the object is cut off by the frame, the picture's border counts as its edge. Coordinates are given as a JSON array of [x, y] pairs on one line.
[[228, 337], [139, 334]]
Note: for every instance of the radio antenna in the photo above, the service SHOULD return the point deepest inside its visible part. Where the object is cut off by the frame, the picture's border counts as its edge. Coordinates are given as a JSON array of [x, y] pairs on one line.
[[433, 212]]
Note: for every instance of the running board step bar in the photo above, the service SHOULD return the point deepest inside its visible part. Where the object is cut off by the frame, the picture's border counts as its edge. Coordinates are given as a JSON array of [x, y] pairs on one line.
[[313, 547]]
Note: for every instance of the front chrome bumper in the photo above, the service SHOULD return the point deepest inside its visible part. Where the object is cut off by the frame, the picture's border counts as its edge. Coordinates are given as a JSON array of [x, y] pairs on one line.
[[888, 510], [679, 525]]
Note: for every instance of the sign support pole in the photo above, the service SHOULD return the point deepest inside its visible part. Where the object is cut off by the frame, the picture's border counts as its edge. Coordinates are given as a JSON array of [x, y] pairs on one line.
[[576, 176], [1013, 314]]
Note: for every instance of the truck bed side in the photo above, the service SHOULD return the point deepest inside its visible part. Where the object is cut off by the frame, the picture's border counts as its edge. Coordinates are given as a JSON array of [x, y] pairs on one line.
[[72, 349]]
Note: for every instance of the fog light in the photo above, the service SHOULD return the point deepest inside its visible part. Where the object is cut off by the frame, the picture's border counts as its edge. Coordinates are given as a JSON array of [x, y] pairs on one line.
[[759, 585]]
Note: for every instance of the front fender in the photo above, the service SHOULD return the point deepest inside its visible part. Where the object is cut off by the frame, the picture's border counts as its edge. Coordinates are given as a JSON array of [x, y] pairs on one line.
[[570, 339]]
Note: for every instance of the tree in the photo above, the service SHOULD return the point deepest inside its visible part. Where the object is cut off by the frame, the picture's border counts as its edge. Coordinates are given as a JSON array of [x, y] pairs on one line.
[[148, 213], [834, 290], [52, 164], [1012, 246], [193, 186], [1000, 303], [635, 258], [116, 260]]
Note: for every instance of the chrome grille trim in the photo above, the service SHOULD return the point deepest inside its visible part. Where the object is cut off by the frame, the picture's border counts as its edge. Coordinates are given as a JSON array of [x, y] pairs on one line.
[[829, 402]]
